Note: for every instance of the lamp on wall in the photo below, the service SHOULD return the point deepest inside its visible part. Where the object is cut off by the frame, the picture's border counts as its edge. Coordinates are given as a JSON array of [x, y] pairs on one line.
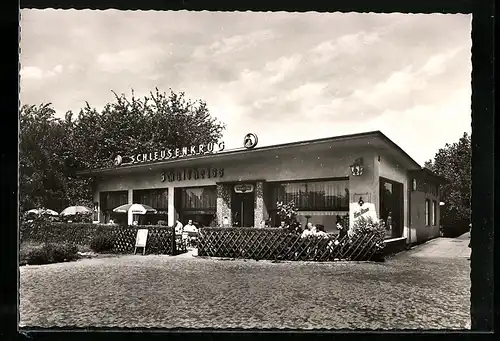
[[357, 167]]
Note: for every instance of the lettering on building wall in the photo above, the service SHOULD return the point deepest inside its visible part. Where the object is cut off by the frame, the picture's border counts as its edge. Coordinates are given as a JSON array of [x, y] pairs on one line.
[[192, 174], [174, 153], [361, 212]]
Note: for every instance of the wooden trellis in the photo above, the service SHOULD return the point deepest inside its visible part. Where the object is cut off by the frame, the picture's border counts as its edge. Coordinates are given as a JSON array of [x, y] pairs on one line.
[[279, 244], [160, 240]]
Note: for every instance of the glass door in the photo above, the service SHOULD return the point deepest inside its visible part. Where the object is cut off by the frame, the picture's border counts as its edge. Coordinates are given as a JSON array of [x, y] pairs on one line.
[[242, 208]]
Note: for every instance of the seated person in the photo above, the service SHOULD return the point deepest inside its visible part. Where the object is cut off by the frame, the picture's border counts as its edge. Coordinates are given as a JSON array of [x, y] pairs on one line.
[[178, 227], [321, 230], [308, 230], [189, 227]]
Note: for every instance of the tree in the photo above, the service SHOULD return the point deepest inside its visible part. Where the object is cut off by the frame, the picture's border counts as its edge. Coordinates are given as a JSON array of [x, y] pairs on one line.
[[454, 163], [53, 150], [130, 126], [41, 145]]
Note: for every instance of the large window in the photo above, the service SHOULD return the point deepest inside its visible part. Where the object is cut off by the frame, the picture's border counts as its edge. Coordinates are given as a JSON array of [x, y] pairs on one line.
[[111, 200], [157, 199], [312, 195], [434, 213], [427, 212], [318, 201], [197, 204]]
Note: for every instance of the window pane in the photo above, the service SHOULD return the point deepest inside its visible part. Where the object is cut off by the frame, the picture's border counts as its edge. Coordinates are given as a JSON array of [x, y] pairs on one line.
[[434, 212], [313, 195], [111, 200], [156, 198], [200, 198], [427, 213]]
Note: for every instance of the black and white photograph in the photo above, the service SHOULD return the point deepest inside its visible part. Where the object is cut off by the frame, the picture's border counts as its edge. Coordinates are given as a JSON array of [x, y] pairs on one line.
[[268, 170]]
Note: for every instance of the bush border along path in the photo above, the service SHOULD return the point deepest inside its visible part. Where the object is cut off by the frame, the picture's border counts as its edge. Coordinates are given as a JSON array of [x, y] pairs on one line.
[[161, 239]]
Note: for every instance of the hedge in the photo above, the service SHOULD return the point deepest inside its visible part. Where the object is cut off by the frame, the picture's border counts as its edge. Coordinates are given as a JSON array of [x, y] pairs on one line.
[[160, 238]]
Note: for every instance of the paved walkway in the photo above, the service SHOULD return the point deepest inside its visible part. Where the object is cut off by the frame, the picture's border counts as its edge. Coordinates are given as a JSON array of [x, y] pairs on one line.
[[427, 287], [443, 248]]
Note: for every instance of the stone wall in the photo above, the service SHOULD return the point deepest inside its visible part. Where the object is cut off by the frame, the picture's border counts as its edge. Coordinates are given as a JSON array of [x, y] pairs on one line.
[[224, 204], [260, 213]]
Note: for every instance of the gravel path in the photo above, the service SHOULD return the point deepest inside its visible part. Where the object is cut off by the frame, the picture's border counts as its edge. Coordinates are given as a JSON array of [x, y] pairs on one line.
[[422, 288]]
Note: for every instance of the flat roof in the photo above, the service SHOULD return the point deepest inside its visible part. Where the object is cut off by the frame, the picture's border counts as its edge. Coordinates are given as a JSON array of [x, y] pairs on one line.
[[243, 151]]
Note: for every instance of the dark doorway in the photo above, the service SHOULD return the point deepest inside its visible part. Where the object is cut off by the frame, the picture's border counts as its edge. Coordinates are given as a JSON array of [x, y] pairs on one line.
[[391, 205], [242, 207]]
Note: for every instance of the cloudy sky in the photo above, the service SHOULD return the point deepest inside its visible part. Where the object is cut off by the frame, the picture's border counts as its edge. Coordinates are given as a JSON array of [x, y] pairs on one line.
[[284, 76]]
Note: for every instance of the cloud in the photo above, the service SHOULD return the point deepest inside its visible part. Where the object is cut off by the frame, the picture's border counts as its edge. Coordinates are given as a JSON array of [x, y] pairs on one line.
[[284, 76], [232, 44], [35, 73], [129, 59], [352, 43], [277, 70]]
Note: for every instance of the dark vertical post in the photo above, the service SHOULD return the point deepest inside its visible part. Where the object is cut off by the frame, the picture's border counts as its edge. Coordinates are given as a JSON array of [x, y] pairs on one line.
[[482, 140], [173, 244]]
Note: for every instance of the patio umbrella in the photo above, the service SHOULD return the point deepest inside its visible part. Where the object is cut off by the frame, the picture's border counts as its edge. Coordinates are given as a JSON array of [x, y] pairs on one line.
[[72, 210], [43, 211], [132, 209]]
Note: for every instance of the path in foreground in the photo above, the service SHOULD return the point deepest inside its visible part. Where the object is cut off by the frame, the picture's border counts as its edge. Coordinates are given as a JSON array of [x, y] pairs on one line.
[[423, 288]]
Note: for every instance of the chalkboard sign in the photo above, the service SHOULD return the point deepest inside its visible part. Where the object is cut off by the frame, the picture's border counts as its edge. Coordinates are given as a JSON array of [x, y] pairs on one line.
[[140, 240]]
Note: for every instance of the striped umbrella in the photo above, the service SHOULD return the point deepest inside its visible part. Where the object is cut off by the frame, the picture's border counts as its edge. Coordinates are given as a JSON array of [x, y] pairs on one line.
[[134, 209], [42, 211], [72, 210]]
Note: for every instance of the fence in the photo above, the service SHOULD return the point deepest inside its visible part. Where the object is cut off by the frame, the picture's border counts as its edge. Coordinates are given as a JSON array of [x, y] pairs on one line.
[[279, 244], [161, 239]]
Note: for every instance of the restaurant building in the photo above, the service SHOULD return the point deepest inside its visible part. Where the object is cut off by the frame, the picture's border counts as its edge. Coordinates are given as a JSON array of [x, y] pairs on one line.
[[241, 187]]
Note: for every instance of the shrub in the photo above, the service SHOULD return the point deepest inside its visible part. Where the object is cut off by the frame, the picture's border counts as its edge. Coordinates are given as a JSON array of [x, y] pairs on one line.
[[102, 243], [76, 233], [288, 214], [48, 253], [79, 217], [364, 226]]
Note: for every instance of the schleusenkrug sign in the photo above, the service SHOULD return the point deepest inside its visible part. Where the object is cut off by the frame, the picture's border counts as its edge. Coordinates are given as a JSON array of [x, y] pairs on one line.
[[167, 154]]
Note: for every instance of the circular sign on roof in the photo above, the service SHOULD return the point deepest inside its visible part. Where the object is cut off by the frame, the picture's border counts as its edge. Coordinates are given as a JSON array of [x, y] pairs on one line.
[[118, 160], [250, 140]]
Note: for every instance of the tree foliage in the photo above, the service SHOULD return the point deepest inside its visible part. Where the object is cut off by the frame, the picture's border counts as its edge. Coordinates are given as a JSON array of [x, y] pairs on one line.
[[454, 163], [52, 150]]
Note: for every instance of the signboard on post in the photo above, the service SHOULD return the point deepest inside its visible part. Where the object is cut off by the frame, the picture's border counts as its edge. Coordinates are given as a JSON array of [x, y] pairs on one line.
[[140, 240]]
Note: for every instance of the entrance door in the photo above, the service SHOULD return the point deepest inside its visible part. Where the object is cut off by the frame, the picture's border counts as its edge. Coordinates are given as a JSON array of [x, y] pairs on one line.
[[391, 204], [243, 209]]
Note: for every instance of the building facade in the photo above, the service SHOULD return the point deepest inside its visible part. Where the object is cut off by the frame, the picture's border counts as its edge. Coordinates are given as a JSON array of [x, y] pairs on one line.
[[241, 187]]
